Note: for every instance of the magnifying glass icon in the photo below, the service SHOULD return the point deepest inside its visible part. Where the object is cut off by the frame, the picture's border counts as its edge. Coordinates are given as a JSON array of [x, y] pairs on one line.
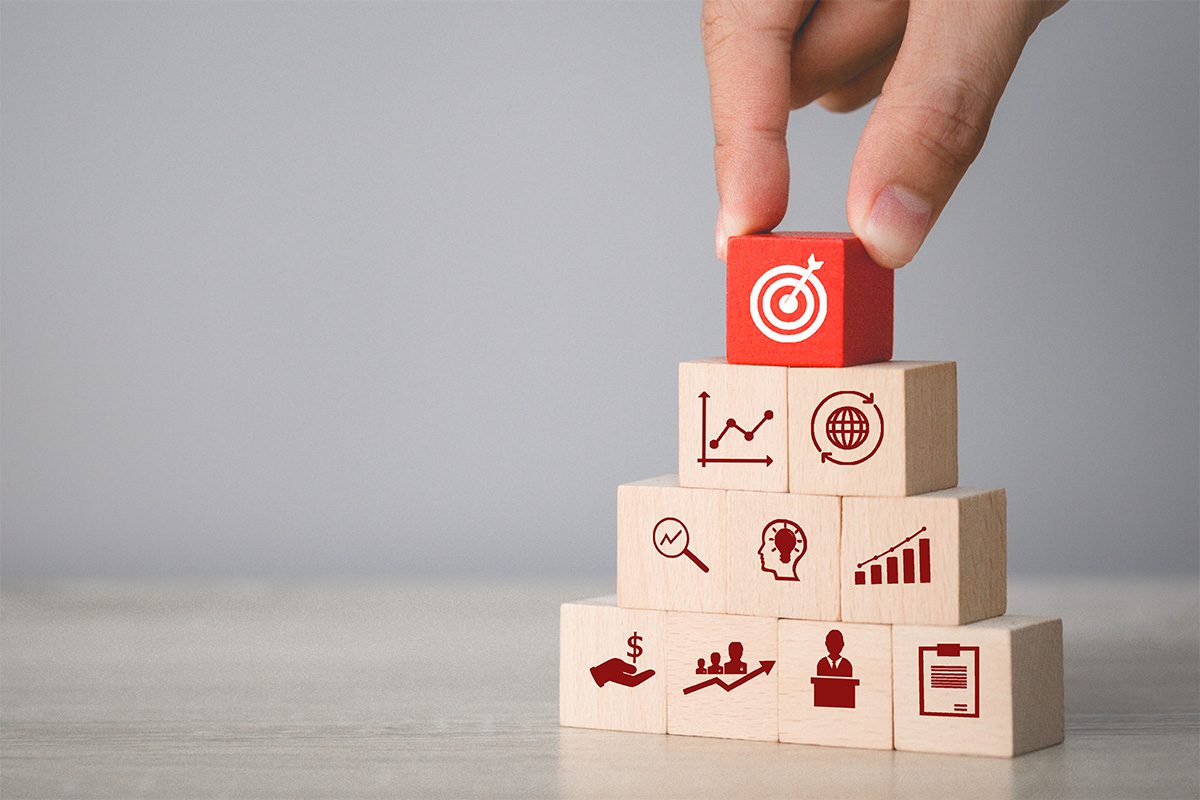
[[671, 538]]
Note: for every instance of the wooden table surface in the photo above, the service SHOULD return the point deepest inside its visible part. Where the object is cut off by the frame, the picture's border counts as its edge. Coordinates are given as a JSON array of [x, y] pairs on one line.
[[450, 690]]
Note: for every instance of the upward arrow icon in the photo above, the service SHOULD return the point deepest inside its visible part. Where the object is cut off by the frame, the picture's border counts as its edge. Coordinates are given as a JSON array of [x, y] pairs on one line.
[[764, 668]]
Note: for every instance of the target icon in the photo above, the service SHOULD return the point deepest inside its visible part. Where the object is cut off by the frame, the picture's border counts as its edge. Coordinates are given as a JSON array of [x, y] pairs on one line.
[[788, 303]]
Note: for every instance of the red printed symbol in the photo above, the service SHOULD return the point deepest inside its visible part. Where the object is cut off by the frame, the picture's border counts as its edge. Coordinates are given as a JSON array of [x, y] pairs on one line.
[[614, 670], [949, 676], [915, 564], [731, 424], [775, 306], [849, 424], [834, 683], [734, 666], [783, 545], [671, 540]]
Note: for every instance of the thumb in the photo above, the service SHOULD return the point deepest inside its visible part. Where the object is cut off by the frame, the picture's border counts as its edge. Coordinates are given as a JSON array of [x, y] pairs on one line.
[[932, 118]]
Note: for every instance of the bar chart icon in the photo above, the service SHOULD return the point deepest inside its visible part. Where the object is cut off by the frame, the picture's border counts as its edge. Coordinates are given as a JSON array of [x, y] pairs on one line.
[[910, 565]]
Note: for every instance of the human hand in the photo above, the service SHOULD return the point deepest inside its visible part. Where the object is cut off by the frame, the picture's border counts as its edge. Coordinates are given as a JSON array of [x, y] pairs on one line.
[[617, 671], [941, 67]]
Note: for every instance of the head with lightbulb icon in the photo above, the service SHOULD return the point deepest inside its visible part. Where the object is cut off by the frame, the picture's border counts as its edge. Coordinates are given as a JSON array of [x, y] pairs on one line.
[[783, 545]]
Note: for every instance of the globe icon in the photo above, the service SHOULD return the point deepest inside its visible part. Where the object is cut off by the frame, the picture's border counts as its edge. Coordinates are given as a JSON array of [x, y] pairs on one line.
[[847, 427]]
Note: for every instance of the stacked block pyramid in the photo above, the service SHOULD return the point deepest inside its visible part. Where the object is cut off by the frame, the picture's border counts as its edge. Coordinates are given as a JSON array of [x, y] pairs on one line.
[[814, 573]]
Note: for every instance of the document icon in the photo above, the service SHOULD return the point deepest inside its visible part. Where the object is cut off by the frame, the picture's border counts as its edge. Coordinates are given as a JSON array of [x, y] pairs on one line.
[[949, 680]]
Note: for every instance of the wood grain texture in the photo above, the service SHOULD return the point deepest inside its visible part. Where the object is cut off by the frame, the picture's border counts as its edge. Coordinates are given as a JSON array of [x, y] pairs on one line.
[[446, 689], [965, 528], [742, 394], [918, 451], [759, 582], [1020, 688], [590, 633], [1037, 669], [868, 648], [648, 579], [749, 711], [930, 427]]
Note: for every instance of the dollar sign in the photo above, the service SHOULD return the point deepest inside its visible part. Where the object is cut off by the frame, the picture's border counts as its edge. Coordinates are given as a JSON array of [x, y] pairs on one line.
[[635, 649]]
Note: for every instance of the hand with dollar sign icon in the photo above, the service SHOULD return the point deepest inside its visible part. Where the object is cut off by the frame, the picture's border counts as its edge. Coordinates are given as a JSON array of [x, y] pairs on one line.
[[614, 670]]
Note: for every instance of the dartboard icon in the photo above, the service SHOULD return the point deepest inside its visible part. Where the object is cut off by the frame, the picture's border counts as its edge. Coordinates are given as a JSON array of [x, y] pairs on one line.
[[788, 303]]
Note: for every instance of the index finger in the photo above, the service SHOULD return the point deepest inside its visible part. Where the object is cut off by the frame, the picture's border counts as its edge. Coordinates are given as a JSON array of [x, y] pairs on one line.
[[748, 47]]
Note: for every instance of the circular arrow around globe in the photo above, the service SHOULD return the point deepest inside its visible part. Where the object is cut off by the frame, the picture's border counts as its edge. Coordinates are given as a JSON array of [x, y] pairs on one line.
[[863, 399]]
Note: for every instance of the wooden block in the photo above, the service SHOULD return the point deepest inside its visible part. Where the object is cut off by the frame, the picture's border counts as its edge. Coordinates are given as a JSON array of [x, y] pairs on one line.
[[672, 551], [876, 430], [721, 676], [933, 559], [832, 696], [611, 667], [992, 688], [806, 300], [732, 426], [784, 555]]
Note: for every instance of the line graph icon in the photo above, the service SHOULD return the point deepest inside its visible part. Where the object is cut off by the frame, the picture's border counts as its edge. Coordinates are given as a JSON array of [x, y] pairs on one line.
[[911, 566], [775, 304], [731, 424]]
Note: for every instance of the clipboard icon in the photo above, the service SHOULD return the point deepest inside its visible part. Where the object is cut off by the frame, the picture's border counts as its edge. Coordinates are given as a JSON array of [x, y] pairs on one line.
[[949, 676]]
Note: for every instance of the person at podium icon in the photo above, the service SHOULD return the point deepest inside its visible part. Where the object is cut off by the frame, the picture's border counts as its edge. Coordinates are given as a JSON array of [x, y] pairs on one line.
[[834, 684], [735, 665], [833, 664]]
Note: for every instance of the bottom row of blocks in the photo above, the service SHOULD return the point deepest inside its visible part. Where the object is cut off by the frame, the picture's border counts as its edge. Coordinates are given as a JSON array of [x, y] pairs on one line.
[[993, 687]]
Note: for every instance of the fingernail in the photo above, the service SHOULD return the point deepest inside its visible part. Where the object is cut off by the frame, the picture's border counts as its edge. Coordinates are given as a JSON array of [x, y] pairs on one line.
[[722, 239], [897, 226]]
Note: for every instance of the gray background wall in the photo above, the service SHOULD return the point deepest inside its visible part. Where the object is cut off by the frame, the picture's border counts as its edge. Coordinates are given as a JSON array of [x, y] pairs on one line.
[[317, 290]]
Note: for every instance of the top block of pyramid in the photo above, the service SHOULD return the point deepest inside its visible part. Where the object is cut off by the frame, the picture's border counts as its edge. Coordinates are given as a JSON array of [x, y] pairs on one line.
[[806, 300]]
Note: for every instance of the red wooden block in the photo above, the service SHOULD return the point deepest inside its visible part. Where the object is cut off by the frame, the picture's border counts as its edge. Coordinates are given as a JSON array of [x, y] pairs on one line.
[[806, 300]]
